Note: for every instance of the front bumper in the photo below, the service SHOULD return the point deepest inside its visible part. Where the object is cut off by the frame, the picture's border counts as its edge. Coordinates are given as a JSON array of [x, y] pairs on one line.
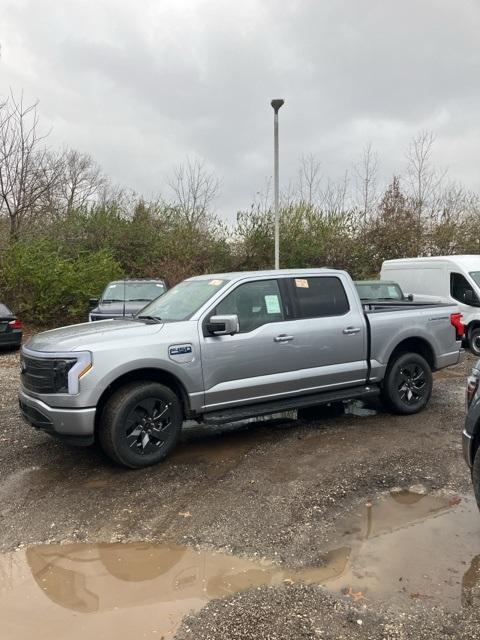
[[68, 424]]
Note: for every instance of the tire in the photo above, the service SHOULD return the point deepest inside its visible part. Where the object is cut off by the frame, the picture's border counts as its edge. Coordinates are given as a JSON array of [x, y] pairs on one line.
[[474, 341], [408, 384], [140, 424], [476, 476]]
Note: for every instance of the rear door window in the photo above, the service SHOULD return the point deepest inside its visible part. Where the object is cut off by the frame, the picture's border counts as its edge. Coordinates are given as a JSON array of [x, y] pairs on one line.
[[319, 297]]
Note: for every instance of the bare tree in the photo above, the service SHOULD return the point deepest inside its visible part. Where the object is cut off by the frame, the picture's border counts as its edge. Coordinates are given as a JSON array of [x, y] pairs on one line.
[[309, 179], [194, 189], [81, 181], [27, 170], [366, 179], [334, 196], [424, 179]]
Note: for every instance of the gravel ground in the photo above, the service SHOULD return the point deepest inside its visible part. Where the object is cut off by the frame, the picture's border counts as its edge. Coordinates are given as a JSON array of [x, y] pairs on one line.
[[268, 490]]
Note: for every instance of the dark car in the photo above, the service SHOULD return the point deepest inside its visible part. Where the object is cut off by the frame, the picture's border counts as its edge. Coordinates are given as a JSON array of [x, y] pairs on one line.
[[124, 298], [10, 329], [380, 290], [471, 432]]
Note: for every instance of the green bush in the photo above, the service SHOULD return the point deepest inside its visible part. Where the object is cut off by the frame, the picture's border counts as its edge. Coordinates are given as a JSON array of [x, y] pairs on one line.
[[45, 287]]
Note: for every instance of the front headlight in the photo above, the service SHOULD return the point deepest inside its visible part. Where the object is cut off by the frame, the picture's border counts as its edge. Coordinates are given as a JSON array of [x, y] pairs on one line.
[[60, 370]]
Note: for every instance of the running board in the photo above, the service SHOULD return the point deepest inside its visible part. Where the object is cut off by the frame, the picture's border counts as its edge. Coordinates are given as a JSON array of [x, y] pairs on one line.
[[287, 404]]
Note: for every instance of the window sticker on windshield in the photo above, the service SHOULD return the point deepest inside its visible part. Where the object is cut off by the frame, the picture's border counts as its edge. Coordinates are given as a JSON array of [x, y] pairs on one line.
[[159, 285], [112, 286], [301, 283], [273, 304], [215, 283]]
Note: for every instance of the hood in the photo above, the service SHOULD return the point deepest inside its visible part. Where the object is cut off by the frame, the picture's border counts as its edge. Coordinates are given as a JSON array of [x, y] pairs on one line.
[[82, 336], [110, 309]]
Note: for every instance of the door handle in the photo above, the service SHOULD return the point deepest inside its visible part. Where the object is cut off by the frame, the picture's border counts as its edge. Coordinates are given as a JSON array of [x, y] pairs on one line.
[[349, 331], [283, 338]]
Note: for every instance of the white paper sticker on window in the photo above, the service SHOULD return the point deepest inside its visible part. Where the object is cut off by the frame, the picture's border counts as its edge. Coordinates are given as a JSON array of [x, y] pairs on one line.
[[273, 304], [215, 283], [301, 283]]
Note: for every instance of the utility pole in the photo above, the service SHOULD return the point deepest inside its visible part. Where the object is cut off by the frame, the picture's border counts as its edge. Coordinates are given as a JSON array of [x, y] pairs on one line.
[[276, 104]]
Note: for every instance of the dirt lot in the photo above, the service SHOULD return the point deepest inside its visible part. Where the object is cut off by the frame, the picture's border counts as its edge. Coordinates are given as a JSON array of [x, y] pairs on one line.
[[358, 526]]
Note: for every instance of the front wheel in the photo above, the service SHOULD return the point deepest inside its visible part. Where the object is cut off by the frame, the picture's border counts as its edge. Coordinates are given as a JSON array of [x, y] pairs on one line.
[[474, 341], [408, 383], [140, 424]]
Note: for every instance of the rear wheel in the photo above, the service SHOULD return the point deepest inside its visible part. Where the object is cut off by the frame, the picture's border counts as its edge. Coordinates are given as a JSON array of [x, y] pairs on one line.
[[474, 341], [408, 384], [140, 424]]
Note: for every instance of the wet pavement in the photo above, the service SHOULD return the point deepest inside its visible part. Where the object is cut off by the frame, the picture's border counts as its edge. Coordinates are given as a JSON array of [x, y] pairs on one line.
[[363, 516], [403, 545]]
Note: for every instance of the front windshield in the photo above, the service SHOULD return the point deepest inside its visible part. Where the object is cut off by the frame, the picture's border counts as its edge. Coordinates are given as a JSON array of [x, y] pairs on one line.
[[133, 291], [181, 302], [476, 276], [379, 291]]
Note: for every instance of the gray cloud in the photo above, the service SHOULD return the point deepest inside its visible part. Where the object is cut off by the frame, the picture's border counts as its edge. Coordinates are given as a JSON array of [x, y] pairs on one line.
[[141, 84]]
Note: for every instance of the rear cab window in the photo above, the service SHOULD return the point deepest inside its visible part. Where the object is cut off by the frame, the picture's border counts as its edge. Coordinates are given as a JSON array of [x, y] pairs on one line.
[[319, 297]]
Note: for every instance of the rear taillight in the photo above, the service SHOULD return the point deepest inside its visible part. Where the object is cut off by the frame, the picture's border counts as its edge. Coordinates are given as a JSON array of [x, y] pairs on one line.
[[456, 321], [15, 324]]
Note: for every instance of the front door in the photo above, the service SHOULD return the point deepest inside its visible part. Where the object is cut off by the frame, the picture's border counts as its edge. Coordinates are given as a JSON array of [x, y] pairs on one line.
[[254, 364]]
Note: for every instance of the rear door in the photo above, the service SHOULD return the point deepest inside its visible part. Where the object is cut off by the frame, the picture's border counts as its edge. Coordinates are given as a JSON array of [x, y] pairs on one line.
[[330, 332]]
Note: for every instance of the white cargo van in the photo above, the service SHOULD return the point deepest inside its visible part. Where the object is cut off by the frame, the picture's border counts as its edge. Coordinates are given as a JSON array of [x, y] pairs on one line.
[[446, 279]]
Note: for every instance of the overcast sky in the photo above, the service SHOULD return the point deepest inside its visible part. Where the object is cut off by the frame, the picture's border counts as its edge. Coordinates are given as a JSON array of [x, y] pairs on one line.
[[140, 84]]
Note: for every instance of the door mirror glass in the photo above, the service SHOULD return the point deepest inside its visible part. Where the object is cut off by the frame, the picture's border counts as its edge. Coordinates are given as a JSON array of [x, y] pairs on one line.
[[410, 297], [93, 302], [223, 325]]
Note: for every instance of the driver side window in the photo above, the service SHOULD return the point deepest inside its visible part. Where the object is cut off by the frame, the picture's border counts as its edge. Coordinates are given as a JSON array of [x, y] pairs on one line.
[[255, 304], [459, 286]]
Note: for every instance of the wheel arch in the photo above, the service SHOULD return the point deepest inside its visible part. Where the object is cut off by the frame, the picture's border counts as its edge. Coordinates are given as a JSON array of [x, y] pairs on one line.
[[144, 374], [414, 345]]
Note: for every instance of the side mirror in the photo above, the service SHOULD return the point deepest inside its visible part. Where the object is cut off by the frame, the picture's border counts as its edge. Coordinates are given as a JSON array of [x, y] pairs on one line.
[[93, 302], [410, 297], [223, 325]]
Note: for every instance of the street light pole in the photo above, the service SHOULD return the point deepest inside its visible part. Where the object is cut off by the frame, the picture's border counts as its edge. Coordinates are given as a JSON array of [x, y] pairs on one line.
[[276, 104]]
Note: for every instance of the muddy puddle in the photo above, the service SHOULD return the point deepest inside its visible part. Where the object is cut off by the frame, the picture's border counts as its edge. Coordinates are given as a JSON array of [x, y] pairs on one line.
[[397, 548]]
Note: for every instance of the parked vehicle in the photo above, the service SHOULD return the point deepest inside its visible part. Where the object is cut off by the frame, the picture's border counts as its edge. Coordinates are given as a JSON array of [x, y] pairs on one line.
[[471, 431], [10, 329], [447, 278], [124, 298], [381, 290], [220, 348]]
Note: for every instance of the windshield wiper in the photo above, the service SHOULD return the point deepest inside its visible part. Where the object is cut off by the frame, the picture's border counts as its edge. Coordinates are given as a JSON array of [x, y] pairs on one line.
[[153, 318], [139, 300]]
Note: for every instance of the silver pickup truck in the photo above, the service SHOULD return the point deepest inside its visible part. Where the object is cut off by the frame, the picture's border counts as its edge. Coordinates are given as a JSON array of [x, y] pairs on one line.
[[225, 347]]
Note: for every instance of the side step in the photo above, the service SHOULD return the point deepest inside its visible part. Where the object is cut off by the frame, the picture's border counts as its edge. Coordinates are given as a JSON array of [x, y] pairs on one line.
[[287, 404]]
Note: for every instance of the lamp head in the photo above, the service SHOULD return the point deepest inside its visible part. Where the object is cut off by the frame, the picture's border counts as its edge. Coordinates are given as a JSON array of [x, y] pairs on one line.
[[277, 103]]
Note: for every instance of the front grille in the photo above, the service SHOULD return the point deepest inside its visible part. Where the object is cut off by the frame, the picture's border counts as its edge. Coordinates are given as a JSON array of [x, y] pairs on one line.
[[45, 375]]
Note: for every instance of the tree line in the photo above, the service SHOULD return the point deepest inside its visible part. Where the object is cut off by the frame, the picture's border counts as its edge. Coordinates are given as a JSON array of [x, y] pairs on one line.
[[65, 230]]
